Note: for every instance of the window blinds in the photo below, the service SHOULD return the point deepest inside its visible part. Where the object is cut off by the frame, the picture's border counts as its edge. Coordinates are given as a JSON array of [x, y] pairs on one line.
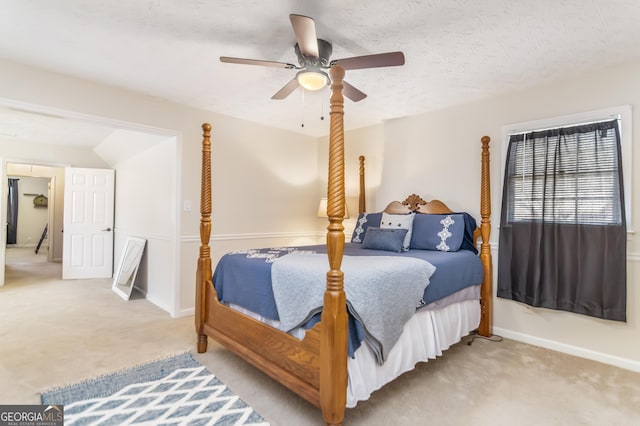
[[565, 175]]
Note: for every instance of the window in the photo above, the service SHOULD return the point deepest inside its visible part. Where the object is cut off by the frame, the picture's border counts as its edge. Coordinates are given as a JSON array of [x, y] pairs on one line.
[[563, 220], [620, 113], [565, 175]]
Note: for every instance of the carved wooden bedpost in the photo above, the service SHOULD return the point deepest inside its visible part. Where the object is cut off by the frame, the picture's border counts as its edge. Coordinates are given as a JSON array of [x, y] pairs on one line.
[[486, 298], [203, 274], [362, 202], [333, 334]]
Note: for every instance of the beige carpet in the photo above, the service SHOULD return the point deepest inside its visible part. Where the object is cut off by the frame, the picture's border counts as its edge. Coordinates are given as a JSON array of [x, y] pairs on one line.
[[55, 332]]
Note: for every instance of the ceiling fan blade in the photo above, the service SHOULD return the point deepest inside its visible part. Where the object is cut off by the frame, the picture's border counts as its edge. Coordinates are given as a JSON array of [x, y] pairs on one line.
[[305, 30], [352, 93], [286, 90], [243, 61], [371, 61]]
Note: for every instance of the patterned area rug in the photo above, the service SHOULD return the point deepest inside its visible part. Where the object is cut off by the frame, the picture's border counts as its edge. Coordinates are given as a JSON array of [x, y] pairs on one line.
[[172, 391]]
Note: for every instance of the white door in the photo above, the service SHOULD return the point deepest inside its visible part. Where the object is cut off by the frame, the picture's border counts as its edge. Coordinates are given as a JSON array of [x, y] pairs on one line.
[[87, 240]]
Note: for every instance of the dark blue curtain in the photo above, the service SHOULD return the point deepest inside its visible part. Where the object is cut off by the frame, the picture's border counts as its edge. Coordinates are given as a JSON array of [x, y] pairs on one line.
[[12, 212]]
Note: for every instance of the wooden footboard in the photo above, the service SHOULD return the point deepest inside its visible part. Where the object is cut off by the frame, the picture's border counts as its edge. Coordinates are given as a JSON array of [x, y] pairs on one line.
[[294, 363]]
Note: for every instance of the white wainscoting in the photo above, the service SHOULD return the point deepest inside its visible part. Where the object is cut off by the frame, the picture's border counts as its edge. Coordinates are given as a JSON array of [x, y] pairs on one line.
[[224, 243]]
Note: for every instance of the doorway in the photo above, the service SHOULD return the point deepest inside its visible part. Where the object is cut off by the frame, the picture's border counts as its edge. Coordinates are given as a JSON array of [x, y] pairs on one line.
[[147, 164], [28, 215], [38, 207]]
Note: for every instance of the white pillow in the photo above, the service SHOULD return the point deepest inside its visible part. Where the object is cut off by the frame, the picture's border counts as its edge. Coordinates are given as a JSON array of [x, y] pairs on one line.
[[399, 221]]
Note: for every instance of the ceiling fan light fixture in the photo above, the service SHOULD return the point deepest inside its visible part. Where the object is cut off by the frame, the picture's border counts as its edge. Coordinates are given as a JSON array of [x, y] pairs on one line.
[[312, 80]]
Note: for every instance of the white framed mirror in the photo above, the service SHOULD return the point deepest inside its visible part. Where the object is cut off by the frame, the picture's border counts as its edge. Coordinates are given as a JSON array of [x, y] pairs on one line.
[[126, 273]]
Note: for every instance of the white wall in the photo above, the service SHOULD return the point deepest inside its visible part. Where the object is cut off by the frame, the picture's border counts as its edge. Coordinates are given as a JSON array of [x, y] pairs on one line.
[[146, 208], [437, 155], [265, 191]]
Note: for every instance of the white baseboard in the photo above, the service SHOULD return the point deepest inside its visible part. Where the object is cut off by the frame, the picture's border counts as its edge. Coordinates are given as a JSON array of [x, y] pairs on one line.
[[186, 312], [157, 302], [627, 364]]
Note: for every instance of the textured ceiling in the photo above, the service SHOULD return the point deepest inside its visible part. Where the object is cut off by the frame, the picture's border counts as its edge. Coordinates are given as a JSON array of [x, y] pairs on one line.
[[456, 50]]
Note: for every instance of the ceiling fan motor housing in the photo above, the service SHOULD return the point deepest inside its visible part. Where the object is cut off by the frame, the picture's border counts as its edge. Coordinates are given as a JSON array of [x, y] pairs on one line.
[[322, 61]]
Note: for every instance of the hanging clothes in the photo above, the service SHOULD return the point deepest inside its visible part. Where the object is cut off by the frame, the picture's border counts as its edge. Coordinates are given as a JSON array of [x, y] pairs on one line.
[[12, 211]]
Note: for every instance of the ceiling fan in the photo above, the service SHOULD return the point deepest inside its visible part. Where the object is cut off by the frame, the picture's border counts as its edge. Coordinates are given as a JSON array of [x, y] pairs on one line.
[[313, 56]]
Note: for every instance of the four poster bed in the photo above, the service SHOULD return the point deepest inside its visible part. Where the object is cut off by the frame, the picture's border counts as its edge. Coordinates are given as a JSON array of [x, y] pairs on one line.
[[334, 356]]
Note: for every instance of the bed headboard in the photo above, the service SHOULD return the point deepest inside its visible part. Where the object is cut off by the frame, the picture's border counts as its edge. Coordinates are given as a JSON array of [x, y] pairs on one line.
[[415, 203]]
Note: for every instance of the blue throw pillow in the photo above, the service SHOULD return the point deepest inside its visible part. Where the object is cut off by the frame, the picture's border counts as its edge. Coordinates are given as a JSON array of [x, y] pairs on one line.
[[365, 220], [384, 239], [443, 232]]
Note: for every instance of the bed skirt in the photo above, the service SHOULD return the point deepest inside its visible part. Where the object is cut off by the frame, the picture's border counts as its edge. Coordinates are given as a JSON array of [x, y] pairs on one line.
[[425, 336]]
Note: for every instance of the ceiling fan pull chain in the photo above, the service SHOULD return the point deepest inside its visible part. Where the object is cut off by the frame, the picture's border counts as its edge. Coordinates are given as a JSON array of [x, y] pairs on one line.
[[302, 108]]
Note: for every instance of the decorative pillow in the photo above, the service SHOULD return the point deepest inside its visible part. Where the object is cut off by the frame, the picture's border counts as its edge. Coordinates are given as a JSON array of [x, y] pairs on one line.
[[470, 226], [384, 239], [365, 220], [399, 221], [442, 232]]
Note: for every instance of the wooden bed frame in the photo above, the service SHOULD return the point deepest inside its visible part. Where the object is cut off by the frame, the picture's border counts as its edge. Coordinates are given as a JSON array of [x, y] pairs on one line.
[[315, 367]]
